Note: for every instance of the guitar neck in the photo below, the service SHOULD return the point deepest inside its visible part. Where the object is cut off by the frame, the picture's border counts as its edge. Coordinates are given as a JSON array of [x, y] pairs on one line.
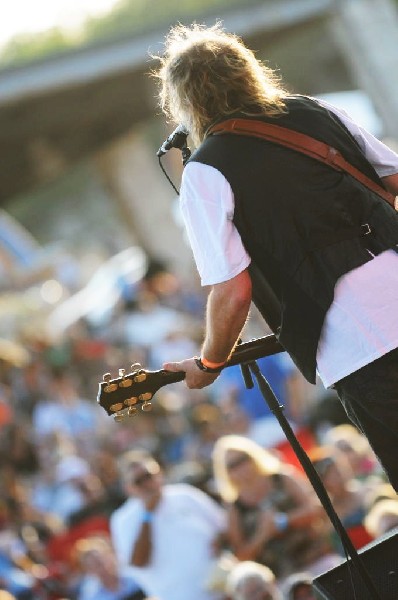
[[121, 396], [257, 348]]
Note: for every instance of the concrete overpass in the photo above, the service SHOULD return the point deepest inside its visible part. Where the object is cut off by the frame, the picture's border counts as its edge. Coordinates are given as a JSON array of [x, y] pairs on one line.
[[55, 112], [94, 109]]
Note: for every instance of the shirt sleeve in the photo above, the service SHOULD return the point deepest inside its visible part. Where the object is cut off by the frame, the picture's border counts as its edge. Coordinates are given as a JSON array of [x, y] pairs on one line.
[[205, 506], [207, 206], [383, 159]]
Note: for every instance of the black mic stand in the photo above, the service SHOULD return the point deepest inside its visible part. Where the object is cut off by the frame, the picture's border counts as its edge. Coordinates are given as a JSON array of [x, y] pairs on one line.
[[277, 410]]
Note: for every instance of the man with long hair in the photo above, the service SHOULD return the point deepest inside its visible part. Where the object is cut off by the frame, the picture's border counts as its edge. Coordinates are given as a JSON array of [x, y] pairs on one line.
[[325, 242]]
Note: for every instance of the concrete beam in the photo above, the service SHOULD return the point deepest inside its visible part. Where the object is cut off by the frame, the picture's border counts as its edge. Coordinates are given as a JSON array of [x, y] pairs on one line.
[[105, 60], [366, 31]]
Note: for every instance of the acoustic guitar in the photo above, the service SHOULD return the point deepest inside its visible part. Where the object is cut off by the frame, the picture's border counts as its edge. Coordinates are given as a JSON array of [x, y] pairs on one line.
[[122, 396]]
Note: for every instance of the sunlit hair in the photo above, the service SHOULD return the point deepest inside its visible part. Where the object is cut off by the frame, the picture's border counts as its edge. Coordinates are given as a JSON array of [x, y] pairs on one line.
[[206, 73], [246, 571], [266, 463], [381, 510], [347, 433]]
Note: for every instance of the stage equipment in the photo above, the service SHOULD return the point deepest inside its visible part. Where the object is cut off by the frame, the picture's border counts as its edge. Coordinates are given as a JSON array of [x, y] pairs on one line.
[[380, 559], [177, 139]]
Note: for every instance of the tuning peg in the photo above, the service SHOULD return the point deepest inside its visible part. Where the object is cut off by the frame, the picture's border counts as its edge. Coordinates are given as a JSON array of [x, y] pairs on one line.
[[119, 416], [110, 387], [139, 377], [145, 398], [131, 401], [124, 382], [132, 411], [116, 407], [140, 374]]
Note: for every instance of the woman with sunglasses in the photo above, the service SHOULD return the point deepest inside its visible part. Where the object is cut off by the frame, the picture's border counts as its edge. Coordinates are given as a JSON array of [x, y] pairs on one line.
[[274, 517]]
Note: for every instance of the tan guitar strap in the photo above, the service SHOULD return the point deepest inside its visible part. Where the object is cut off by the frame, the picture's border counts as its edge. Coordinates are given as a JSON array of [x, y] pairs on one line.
[[302, 143]]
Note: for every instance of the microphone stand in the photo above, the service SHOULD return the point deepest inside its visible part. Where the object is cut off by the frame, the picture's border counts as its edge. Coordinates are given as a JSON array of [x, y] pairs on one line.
[[276, 408]]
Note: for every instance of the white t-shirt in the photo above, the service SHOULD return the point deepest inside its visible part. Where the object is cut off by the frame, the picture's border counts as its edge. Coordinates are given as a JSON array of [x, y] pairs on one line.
[[357, 329], [184, 525]]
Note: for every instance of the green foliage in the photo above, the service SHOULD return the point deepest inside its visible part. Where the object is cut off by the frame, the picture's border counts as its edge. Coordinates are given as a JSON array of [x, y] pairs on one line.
[[141, 15], [27, 46], [128, 17]]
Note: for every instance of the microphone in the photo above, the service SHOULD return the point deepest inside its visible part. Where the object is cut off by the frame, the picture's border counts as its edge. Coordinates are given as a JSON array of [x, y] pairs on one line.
[[177, 139]]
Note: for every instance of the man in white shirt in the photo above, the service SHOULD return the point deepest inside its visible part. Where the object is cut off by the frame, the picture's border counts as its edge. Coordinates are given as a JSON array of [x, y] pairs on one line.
[[325, 243], [165, 532]]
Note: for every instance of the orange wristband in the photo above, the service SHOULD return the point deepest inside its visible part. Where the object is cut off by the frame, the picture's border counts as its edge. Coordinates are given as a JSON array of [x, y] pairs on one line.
[[212, 365]]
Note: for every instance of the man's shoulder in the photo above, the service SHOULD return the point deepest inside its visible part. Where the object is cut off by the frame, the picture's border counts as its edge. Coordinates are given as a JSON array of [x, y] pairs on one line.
[[182, 490], [179, 489], [127, 510]]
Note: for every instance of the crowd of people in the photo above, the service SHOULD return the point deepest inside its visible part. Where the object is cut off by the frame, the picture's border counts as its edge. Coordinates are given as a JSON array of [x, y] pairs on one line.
[[200, 498]]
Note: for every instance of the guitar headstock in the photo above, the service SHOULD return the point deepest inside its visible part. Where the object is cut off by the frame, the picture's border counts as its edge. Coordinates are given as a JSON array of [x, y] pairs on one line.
[[121, 397]]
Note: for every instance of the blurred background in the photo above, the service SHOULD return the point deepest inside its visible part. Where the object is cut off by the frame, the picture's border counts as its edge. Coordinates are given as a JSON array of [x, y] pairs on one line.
[[95, 272], [79, 128]]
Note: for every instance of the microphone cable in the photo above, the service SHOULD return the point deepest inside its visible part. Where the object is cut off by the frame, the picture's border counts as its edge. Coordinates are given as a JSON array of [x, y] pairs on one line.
[[177, 139]]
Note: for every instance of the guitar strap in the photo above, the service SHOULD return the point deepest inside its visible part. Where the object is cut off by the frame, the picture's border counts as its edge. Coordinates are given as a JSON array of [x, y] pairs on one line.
[[301, 143]]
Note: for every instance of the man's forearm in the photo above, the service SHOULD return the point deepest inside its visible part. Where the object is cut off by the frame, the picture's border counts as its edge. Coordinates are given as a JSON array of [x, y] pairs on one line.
[[142, 550], [227, 310]]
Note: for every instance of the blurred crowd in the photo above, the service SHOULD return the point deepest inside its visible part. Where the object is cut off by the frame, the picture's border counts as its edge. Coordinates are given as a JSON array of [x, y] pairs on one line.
[[200, 498]]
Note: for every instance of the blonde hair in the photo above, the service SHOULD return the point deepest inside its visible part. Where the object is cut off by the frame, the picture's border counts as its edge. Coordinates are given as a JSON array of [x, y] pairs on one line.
[[6, 595], [246, 571], [349, 434], [373, 520], [206, 73], [266, 463]]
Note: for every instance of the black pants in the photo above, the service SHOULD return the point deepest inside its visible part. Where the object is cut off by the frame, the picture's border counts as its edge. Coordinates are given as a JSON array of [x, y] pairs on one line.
[[370, 398]]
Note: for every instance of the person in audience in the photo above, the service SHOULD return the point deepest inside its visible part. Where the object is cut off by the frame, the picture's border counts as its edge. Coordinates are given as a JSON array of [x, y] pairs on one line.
[[345, 491], [166, 533], [274, 517], [281, 374], [382, 517], [356, 448], [102, 579], [298, 587], [249, 580], [64, 411], [4, 595], [383, 491]]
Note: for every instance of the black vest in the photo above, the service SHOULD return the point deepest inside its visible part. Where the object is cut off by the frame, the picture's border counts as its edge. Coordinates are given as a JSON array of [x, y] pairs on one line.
[[300, 221]]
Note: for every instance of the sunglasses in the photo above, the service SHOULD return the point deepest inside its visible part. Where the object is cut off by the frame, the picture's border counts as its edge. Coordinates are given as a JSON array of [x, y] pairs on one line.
[[140, 479], [237, 462]]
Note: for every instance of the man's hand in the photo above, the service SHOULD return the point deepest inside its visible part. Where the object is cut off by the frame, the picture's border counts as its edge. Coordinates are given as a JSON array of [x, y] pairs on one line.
[[194, 377]]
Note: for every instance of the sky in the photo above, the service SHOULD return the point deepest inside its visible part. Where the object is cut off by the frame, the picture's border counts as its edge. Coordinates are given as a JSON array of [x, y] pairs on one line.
[[20, 16]]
